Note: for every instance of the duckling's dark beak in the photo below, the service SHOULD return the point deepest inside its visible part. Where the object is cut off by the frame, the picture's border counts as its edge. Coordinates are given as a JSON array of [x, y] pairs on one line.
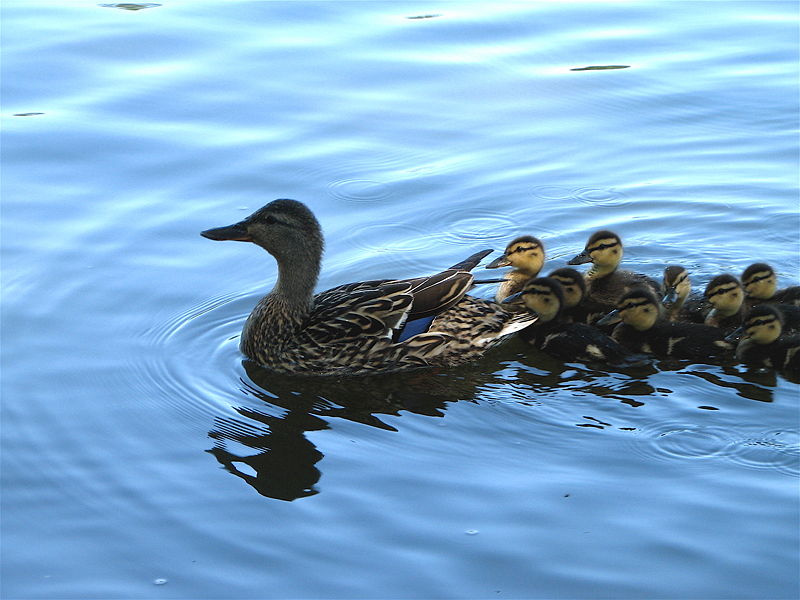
[[580, 259], [609, 319], [671, 297], [235, 233], [500, 261], [512, 298], [734, 335]]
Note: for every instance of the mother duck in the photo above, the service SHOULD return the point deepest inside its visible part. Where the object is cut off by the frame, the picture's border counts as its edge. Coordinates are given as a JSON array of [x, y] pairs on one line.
[[358, 328]]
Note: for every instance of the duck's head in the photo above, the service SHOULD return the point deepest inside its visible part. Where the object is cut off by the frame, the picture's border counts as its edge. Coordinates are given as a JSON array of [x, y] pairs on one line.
[[725, 294], [764, 324], [604, 250], [287, 229], [638, 308], [759, 281], [677, 285], [572, 284], [543, 296], [525, 253]]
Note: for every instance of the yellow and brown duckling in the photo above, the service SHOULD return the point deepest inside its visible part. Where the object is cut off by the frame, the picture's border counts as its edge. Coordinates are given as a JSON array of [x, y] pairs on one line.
[[544, 297], [760, 283], [644, 329], [764, 344], [726, 295], [526, 255], [605, 281], [364, 327], [679, 304], [573, 285]]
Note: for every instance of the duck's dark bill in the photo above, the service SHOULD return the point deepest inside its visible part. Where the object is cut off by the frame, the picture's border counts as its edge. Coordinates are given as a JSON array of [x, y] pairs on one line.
[[235, 233]]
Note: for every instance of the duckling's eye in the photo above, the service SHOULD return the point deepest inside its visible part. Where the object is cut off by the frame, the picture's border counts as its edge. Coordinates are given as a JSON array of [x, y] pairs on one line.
[[270, 220]]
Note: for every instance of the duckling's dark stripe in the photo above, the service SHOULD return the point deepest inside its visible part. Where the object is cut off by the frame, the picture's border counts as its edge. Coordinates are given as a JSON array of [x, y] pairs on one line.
[[760, 322], [602, 246], [539, 291], [680, 279], [757, 278], [722, 290], [635, 304], [522, 249]]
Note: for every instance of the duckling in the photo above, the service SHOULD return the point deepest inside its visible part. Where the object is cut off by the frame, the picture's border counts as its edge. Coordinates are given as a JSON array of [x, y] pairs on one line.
[[726, 295], [358, 328], [680, 306], [526, 255], [574, 287], [606, 283], [643, 329], [761, 285], [544, 296], [763, 344]]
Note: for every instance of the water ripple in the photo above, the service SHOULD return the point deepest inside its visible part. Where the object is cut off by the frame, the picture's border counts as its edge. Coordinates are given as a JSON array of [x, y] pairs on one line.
[[772, 449], [585, 195], [359, 190], [192, 358], [475, 226]]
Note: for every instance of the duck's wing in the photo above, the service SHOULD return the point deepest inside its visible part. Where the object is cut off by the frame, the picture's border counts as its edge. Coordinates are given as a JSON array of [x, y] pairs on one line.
[[381, 307], [354, 311], [434, 294]]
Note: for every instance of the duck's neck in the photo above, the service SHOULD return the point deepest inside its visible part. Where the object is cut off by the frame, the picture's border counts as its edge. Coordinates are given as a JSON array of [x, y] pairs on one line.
[[296, 283], [279, 315]]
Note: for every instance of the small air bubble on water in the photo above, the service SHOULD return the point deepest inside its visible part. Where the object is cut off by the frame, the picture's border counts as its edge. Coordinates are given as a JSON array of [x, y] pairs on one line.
[[159, 581], [471, 532]]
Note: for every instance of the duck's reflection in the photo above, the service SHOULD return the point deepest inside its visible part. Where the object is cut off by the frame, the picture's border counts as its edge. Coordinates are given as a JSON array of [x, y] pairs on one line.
[[269, 450], [283, 466]]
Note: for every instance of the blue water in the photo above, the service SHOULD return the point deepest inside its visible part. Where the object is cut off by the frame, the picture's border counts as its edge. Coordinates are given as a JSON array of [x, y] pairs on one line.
[[142, 459]]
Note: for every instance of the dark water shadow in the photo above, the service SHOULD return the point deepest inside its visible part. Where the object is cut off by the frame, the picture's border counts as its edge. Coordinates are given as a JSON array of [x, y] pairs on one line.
[[284, 463], [267, 447]]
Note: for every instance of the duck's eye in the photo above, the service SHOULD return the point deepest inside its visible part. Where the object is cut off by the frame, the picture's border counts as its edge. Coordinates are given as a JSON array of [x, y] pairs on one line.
[[270, 220]]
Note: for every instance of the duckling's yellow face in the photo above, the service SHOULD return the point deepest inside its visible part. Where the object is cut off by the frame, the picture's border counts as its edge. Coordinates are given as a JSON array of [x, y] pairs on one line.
[[681, 282], [526, 255], [762, 329], [542, 300], [605, 252], [761, 285], [726, 297], [573, 294], [639, 312]]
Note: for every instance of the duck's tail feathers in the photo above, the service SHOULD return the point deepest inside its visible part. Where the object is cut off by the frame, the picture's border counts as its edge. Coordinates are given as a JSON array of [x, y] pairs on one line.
[[471, 262]]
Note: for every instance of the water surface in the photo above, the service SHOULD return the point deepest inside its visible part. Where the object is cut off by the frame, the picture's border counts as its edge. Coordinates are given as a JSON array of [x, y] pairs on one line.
[[142, 458]]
